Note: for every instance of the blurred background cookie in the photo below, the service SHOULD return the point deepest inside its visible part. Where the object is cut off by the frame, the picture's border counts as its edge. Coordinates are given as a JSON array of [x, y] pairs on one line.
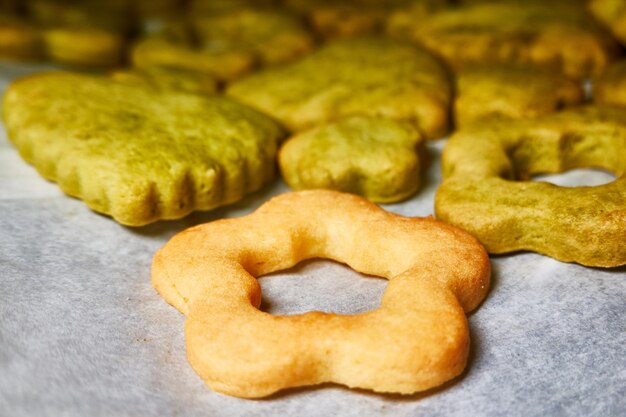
[[511, 91], [136, 153], [83, 33], [610, 86], [362, 76], [613, 14], [19, 39], [558, 35], [167, 79], [488, 188], [376, 158], [225, 41]]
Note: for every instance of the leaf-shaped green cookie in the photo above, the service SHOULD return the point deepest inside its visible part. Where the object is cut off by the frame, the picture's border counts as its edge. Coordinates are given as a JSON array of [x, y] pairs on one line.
[[135, 153]]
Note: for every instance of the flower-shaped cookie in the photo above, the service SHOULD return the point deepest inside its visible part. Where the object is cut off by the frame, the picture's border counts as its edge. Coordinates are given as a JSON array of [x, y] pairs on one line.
[[376, 158], [417, 339]]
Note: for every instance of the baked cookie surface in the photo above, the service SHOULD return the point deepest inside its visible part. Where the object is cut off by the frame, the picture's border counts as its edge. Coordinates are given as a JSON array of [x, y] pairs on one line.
[[557, 35], [487, 189], [610, 86], [227, 43], [168, 79], [511, 92], [87, 33], [376, 158], [364, 76], [137, 154], [417, 339], [613, 14], [19, 39], [346, 18]]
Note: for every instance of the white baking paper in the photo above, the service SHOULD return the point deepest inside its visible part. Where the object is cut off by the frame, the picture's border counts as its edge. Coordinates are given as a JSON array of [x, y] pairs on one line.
[[83, 333]]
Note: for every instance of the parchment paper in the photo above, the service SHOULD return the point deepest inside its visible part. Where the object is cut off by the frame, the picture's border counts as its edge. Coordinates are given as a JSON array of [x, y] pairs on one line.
[[82, 332]]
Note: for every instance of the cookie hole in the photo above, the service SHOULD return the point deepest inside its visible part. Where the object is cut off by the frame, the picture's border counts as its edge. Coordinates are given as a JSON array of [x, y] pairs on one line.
[[579, 177], [320, 285]]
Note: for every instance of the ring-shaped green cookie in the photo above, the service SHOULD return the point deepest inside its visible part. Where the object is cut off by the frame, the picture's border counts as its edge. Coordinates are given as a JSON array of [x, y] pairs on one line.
[[486, 189]]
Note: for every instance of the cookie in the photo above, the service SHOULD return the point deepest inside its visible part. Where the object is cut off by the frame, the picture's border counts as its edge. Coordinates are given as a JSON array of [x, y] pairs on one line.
[[610, 86], [226, 44], [347, 18], [487, 189], [172, 51], [136, 153], [83, 46], [613, 14], [89, 33], [417, 339], [376, 158], [333, 19], [273, 36], [168, 79], [19, 40], [366, 76], [556, 35], [511, 92]]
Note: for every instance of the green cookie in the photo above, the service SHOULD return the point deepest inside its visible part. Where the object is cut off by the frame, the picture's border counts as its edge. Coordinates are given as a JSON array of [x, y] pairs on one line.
[[373, 77], [486, 188], [376, 158], [135, 153], [167, 79]]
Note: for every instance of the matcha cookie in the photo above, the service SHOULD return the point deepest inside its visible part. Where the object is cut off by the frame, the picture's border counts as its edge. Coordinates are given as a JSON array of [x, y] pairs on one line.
[[376, 158], [613, 14], [135, 153], [273, 36], [610, 86], [346, 18], [557, 35], [168, 79], [366, 76], [511, 92], [89, 33], [173, 51], [19, 40], [487, 189], [226, 44]]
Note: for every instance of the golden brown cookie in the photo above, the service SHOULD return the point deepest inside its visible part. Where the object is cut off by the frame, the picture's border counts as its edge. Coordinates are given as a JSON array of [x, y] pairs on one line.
[[610, 86], [168, 79], [417, 339], [613, 14], [556, 35], [136, 153], [487, 189], [376, 158], [511, 92], [174, 52], [366, 76]]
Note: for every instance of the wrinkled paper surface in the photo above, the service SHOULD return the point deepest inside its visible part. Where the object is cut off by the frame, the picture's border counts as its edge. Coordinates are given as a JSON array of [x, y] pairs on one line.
[[83, 333]]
